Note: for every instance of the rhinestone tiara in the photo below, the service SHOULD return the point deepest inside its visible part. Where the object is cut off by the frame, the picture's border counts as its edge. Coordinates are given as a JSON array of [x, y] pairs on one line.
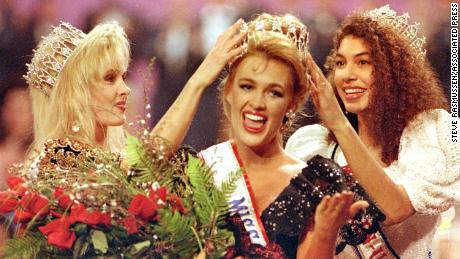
[[296, 32], [51, 55], [400, 24]]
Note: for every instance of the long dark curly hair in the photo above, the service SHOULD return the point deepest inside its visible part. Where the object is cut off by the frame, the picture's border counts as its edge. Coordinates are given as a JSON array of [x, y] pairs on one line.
[[404, 86]]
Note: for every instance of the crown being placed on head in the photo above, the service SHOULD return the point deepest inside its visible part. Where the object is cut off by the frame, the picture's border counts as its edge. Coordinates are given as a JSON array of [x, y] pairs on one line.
[[400, 24], [287, 25], [50, 57]]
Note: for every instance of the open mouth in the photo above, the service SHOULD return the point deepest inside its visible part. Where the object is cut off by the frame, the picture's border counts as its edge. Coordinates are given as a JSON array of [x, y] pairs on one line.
[[254, 122]]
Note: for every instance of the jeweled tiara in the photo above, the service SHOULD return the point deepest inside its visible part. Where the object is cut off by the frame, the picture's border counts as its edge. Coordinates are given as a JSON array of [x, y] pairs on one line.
[[400, 24], [51, 55], [297, 33]]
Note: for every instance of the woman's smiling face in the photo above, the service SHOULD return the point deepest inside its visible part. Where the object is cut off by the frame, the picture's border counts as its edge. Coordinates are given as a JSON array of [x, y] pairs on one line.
[[258, 98], [353, 74]]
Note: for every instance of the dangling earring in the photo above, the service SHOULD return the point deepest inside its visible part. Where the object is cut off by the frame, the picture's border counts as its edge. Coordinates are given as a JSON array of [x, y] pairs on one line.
[[288, 120], [75, 127]]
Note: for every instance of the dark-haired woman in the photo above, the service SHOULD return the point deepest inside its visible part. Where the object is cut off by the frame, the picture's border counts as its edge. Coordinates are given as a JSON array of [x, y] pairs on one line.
[[400, 148]]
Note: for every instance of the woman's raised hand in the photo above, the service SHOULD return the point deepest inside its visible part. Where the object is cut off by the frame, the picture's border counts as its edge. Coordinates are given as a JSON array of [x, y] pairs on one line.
[[330, 215], [174, 124], [323, 97], [226, 49], [335, 211]]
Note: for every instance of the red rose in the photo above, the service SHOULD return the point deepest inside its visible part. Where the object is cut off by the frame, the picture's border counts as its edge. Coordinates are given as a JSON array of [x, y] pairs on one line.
[[55, 214], [98, 218], [21, 215], [62, 239], [13, 181], [56, 225], [17, 184], [80, 214], [176, 204], [131, 224], [39, 204], [64, 200], [58, 233], [8, 201], [31, 205], [143, 207], [158, 194]]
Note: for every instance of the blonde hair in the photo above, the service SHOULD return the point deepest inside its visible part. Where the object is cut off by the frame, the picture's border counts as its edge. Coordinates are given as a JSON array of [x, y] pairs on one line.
[[277, 46], [69, 101]]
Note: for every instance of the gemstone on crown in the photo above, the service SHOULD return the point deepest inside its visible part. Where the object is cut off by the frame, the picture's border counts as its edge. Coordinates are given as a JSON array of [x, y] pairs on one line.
[[292, 28], [296, 33], [400, 24], [277, 24], [52, 55], [260, 26], [66, 51]]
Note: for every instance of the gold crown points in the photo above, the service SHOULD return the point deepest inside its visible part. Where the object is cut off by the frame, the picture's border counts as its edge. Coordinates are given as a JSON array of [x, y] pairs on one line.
[[296, 32], [400, 24], [49, 59]]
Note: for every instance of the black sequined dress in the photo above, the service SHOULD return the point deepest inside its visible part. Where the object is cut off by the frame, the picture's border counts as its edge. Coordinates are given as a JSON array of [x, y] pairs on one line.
[[284, 220], [287, 218], [290, 215]]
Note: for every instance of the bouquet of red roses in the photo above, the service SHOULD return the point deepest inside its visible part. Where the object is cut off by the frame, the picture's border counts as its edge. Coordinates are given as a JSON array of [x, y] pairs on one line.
[[153, 208]]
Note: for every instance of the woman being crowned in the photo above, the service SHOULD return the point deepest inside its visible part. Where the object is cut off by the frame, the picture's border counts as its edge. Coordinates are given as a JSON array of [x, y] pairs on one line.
[[266, 84]]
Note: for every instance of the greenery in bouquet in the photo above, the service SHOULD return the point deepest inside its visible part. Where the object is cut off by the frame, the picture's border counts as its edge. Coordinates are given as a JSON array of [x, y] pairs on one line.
[[140, 206]]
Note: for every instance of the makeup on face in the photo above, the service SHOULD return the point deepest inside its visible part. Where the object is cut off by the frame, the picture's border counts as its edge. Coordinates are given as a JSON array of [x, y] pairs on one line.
[[353, 74], [259, 97], [109, 98]]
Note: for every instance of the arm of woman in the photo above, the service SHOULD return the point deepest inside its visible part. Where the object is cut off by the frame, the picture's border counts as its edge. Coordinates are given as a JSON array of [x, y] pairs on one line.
[[332, 212], [391, 197], [174, 125]]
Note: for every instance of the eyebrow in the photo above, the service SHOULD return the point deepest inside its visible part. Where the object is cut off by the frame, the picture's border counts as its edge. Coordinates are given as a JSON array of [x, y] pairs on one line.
[[253, 82], [357, 55], [246, 79], [112, 70]]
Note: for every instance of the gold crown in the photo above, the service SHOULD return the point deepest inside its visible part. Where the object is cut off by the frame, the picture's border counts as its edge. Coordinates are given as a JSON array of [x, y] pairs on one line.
[[295, 31], [400, 24], [51, 55]]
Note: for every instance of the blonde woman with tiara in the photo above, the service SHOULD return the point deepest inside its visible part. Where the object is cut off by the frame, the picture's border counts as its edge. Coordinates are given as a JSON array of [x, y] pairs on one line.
[[273, 204], [79, 96]]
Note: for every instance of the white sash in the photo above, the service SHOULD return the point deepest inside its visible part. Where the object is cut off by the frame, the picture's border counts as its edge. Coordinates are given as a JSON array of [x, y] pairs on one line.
[[223, 159]]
